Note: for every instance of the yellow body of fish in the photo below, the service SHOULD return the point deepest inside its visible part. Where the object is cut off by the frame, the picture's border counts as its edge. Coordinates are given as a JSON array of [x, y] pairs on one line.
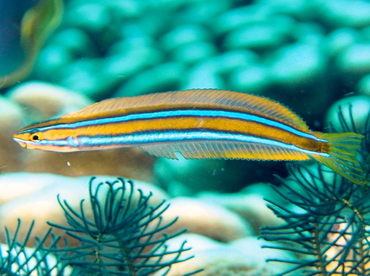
[[198, 124]]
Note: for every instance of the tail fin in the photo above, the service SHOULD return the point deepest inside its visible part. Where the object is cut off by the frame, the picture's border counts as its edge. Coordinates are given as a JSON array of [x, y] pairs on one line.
[[343, 148]]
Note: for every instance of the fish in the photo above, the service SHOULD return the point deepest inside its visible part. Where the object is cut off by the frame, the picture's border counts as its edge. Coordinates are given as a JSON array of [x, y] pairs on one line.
[[197, 124], [37, 25]]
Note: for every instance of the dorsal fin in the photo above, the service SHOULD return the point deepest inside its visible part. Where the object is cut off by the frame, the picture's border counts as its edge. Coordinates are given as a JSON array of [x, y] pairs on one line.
[[201, 98]]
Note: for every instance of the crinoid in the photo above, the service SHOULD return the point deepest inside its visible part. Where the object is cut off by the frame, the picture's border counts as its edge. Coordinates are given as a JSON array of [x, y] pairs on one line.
[[117, 232], [326, 217], [326, 224], [119, 238], [17, 259]]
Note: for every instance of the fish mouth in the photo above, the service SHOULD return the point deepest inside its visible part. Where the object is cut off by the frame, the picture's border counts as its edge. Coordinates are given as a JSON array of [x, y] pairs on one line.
[[20, 142]]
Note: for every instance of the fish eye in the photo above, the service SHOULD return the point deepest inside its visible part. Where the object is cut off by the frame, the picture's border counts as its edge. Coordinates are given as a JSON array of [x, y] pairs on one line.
[[36, 137]]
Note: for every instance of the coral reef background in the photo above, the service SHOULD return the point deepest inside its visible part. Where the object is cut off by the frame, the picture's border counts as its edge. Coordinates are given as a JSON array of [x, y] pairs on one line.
[[305, 54], [310, 55]]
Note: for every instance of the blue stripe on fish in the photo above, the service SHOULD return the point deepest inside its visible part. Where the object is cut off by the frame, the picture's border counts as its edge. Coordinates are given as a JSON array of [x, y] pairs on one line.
[[182, 113]]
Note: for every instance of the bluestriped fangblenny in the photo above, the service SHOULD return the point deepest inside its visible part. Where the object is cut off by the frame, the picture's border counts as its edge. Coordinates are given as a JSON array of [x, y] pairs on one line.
[[198, 124]]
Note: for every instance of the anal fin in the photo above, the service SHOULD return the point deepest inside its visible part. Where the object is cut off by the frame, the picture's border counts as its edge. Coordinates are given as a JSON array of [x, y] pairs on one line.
[[223, 150]]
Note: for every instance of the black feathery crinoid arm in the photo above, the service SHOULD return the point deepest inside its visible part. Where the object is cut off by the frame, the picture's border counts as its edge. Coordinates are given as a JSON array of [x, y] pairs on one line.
[[366, 148], [326, 217], [120, 232], [17, 259], [326, 223]]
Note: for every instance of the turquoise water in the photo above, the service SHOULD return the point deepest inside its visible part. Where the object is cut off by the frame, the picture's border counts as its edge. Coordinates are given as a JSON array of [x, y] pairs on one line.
[[310, 55]]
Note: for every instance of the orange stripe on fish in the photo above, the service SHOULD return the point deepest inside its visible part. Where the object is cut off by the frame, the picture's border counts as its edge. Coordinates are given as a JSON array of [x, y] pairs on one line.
[[198, 124]]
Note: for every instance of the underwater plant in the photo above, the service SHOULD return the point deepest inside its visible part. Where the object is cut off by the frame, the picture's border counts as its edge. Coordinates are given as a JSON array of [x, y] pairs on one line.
[[119, 233], [326, 218]]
